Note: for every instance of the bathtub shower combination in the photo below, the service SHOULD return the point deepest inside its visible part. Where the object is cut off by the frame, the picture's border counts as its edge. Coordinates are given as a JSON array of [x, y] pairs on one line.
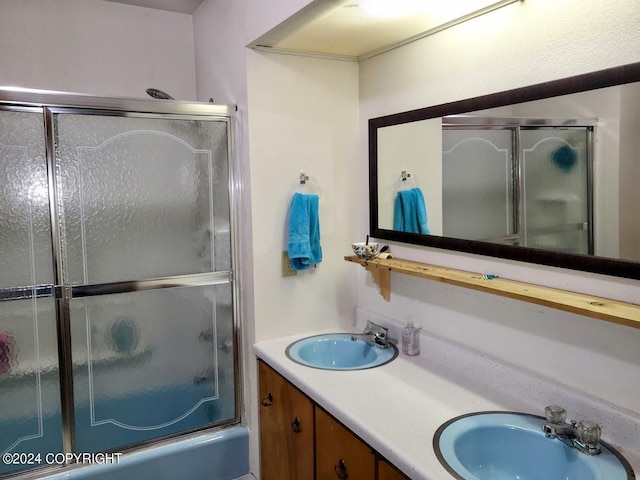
[[118, 325]]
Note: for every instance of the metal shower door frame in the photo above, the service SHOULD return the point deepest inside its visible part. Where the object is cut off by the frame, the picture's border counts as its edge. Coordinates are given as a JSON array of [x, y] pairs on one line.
[[516, 124], [50, 104]]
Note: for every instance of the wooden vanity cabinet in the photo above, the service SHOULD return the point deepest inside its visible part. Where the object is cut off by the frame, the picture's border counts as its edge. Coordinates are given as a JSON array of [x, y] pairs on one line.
[[300, 441], [387, 471], [286, 428], [339, 453]]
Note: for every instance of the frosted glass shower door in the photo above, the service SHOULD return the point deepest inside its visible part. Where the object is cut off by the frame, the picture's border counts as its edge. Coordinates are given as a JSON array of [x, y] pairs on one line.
[[477, 185], [30, 419], [145, 225], [555, 189]]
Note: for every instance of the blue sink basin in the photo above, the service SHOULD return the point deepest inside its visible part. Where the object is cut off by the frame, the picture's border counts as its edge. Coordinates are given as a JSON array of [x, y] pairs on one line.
[[503, 445], [336, 351]]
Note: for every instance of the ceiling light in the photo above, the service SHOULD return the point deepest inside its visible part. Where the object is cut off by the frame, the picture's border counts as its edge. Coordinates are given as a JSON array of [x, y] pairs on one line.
[[441, 11]]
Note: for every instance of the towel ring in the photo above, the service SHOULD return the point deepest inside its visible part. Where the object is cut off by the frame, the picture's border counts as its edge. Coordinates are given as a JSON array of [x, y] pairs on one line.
[[305, 184], [406, 181]]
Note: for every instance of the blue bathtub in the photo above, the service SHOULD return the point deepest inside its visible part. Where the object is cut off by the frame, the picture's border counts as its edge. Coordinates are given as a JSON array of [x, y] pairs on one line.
[[223, 455]]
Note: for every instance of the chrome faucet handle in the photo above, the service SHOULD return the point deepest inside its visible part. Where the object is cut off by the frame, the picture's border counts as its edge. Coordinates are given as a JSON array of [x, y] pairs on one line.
[[378, 334], [382, 335], [588, 433], [555, 414]]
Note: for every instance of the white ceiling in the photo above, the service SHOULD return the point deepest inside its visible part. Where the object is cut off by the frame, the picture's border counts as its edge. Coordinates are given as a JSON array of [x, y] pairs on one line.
[[178, 6], [358, 29], [351, 29]]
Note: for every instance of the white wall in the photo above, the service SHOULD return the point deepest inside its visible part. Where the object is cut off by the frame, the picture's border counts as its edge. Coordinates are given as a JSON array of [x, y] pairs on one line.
[[303, 118], [521, 44], [219, 51], [96, 47]]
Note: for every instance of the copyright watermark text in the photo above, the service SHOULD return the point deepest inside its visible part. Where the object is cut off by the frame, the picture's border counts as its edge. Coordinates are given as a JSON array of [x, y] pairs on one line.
[[59, 458]]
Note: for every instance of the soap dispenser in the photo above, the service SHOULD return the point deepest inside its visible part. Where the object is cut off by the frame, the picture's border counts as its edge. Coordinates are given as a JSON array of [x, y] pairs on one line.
[[410, 340]]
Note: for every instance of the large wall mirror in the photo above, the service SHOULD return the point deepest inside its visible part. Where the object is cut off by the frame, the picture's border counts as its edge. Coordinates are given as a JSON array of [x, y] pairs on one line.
[[548, 174]]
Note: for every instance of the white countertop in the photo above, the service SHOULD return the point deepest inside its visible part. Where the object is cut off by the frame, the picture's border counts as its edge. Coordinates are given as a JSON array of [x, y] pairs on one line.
[[396, 408]]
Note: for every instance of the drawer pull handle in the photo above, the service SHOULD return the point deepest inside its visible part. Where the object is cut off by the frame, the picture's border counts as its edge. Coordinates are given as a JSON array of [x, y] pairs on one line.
[[295, 425], [267, 401], [341, 470]]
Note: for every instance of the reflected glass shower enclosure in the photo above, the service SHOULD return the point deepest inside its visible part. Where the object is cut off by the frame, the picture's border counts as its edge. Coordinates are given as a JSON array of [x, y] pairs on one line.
[[118, 317], [525, 182]]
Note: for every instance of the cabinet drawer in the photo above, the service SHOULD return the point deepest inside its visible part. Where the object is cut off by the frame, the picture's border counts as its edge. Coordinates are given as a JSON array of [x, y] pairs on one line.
[[339, 453]]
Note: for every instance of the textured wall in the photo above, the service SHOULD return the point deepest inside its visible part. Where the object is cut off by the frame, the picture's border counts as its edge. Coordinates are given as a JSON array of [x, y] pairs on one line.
[[96, 47]]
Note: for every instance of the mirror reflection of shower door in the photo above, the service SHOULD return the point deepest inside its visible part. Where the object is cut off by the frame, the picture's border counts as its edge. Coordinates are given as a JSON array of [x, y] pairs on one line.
[[477, 185], [144, 205], [537, 197], [30, 418], [556, 203]]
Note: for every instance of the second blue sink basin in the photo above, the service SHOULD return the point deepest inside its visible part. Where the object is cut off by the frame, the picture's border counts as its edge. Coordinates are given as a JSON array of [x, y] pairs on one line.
[[336, 351], [507, 446]]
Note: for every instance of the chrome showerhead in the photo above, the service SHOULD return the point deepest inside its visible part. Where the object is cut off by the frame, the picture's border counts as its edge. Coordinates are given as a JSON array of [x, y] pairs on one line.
[[158, 94]]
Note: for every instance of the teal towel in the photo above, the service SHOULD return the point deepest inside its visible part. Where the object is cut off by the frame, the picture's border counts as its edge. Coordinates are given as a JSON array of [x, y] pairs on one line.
[[410, 212], [304, 247]]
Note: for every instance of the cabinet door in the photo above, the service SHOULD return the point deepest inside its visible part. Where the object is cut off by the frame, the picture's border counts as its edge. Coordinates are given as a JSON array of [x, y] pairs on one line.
[[339, 453], [286, 428], [386, 471]]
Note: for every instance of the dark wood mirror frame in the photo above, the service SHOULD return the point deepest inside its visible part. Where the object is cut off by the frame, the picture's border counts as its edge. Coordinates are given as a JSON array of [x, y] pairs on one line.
[[580, 83]]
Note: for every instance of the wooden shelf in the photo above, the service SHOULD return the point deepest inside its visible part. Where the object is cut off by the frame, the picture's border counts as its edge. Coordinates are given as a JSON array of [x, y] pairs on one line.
[[601, 308]]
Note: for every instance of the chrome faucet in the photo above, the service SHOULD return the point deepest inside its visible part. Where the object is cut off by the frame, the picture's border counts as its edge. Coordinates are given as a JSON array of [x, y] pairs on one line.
[[583, 436], [374, 334]]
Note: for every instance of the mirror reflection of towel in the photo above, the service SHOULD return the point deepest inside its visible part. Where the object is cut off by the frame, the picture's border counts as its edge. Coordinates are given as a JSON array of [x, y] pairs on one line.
[[410, 213], [304, 247]]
